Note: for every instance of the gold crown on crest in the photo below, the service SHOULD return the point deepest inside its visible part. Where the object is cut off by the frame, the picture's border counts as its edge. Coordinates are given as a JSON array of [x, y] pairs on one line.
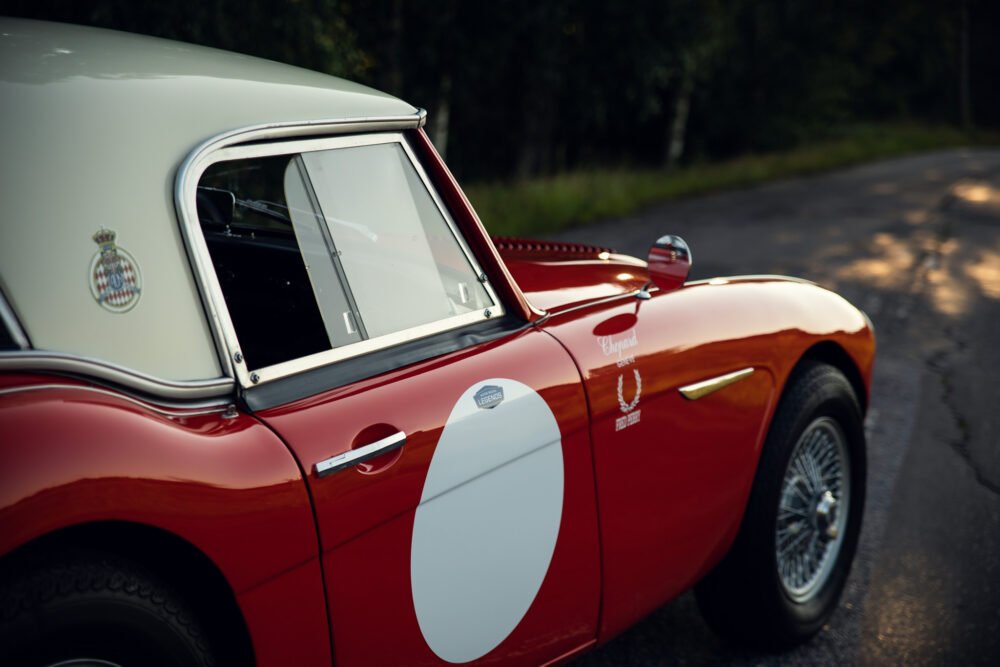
[[104, 237]]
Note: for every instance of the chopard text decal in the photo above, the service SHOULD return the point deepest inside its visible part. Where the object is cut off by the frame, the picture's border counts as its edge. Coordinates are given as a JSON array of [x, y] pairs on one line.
[[619, 346]]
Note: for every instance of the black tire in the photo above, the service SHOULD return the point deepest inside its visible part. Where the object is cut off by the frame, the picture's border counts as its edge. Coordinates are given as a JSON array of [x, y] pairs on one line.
[[90, 605], [745, 598]]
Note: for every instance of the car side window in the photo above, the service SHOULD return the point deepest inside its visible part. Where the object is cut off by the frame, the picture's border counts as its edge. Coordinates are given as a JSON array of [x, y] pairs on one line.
[[401, 260], [321, 249]]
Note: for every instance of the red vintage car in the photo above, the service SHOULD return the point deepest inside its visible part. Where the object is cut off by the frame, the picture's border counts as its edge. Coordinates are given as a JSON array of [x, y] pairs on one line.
[[270, 393]]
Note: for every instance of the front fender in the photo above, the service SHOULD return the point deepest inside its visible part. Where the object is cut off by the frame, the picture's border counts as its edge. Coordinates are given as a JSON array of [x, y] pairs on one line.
[[674, 473]]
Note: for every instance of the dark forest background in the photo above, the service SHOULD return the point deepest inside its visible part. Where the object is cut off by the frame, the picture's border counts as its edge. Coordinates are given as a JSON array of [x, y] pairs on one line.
[[525, 88]]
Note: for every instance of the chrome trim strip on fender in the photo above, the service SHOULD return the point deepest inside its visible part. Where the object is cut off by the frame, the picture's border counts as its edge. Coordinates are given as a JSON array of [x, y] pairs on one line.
[[196, 410], [360, 455], [36, 360], [626, 296], [749, 277], [693, 392]]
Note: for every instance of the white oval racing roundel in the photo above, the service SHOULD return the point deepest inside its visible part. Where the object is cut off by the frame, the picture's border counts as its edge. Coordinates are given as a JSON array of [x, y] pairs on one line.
[[488, 519]]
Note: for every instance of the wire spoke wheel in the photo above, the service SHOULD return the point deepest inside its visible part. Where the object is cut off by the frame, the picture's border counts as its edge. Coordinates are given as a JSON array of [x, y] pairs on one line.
[[813, 509], [784, 575]]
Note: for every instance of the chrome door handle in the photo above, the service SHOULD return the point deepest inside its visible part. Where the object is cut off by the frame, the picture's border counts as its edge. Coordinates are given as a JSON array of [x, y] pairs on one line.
[[360, 455]]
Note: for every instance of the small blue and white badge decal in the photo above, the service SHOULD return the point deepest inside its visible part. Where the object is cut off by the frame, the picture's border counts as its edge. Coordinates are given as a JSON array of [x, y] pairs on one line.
[[489, 396], [115, 281], [488, 520]]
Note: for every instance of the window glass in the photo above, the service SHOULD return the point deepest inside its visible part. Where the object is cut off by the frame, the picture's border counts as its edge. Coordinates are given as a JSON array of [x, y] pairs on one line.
[[336, 304], [400, 258], [319, 250], [244, 216]]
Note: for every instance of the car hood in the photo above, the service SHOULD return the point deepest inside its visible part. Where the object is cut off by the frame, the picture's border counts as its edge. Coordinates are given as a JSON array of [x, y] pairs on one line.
[[554, 276]]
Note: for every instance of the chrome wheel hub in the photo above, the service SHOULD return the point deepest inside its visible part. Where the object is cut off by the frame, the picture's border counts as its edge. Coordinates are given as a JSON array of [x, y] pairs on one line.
[[826, 515], [812, 511]]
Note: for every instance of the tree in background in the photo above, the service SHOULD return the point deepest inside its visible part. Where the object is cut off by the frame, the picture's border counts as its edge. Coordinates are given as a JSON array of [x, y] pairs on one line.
[[522, 88], [314, 34]]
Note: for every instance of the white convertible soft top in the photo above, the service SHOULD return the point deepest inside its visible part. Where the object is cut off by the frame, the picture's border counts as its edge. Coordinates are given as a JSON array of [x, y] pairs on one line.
[[93, 127]]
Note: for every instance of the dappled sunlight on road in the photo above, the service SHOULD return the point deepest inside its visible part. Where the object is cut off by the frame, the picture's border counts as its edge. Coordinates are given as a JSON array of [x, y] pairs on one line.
[[917, 216], [949, 293], [985, 271], [950, 274], [949, 296], [887, 269], [977, 193]]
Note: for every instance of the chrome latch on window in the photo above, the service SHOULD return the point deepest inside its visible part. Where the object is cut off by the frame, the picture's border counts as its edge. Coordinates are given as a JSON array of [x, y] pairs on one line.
[[349, 323]]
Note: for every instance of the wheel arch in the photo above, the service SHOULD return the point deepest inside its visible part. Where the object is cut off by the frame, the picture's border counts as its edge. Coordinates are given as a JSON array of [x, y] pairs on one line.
[[831, 353], [173, 559]]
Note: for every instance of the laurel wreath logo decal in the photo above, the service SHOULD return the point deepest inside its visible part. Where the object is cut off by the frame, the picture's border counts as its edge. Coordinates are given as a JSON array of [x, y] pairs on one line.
[[629, 407]]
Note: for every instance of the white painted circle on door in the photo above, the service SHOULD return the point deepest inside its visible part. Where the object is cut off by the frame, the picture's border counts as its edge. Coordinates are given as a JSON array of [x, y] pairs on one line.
[[488, 519]]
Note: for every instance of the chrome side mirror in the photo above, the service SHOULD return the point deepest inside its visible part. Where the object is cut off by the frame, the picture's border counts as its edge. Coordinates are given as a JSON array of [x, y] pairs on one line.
[[669, 263]]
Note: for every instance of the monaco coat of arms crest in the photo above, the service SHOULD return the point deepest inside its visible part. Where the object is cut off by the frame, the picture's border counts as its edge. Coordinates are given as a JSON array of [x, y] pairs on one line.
[[115, 281]]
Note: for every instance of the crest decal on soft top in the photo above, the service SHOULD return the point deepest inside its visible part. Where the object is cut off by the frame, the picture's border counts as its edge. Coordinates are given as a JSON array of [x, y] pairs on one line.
[[114, 275]]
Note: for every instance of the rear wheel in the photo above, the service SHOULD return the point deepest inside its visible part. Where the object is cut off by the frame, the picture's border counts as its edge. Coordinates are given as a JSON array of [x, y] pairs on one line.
[[88, 608], [787, 568]]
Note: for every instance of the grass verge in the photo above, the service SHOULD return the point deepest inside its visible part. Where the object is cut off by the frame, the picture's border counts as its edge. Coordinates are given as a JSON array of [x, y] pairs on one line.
[[546, 205]]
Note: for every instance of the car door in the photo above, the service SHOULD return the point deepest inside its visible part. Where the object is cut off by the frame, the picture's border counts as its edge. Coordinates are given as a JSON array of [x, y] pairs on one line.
[[445, 443]]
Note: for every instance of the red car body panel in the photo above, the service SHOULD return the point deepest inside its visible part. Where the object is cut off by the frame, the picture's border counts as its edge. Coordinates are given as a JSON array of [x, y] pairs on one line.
[[556, 284], [366, 518], [655, 484], [672, 486], [286, 617], [226, 485]]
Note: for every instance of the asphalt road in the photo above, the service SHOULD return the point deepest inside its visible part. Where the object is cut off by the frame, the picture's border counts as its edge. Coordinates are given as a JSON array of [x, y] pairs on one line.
[[915, 242]]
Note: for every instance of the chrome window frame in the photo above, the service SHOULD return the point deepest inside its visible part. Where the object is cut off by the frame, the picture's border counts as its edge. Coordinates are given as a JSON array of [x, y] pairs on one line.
[[9, 321], [74, 364], [274, 141]]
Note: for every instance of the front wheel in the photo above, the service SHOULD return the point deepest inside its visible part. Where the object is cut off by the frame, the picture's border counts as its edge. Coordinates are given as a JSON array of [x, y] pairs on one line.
[[787, 568]]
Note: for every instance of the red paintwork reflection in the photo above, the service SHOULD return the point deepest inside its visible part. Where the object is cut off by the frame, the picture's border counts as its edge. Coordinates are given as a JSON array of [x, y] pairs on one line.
[[228, 486], [288, 619], [556, 285], [673, 475], [366, 521]]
